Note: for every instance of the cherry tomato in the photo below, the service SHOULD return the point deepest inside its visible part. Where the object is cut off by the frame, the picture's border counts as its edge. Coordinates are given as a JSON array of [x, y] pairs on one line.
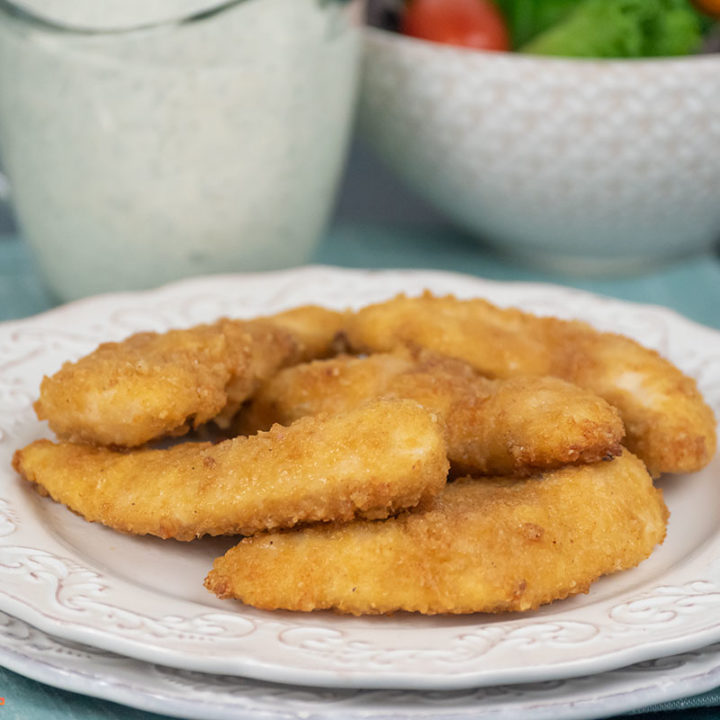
[[469, 23]]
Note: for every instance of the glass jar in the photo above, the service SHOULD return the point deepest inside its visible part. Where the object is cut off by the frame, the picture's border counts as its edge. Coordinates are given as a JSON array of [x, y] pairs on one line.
[[142, 148]]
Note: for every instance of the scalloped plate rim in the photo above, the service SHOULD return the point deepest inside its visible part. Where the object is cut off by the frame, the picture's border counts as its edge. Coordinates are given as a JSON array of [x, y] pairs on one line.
[[261, 670], [664, 685]]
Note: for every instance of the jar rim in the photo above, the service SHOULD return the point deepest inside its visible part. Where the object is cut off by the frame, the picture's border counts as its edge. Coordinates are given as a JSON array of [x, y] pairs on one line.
[[88, 17]]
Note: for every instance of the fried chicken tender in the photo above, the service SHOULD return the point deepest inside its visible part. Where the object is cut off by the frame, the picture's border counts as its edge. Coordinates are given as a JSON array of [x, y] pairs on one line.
[[156, 384], [370, 462], [316, 333], [500, 427], [667, 422], [317, 330], [481, 546]]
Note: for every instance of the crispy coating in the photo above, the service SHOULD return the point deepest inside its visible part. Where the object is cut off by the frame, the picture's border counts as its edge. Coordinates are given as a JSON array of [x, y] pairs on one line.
[[316, 329], [481, 546], [369, 462], [666, 420], [500, 427], [156, 384], [316, 332]]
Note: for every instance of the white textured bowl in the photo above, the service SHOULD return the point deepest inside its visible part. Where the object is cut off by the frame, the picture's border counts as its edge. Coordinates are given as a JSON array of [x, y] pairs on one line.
[[582, 165]]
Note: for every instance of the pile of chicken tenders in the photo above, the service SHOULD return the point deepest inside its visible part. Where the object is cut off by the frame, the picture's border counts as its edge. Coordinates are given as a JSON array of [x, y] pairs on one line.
[[426, 454]]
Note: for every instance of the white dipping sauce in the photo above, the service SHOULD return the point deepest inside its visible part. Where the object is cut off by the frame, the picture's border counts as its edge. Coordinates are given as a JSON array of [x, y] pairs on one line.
[[211, 146]]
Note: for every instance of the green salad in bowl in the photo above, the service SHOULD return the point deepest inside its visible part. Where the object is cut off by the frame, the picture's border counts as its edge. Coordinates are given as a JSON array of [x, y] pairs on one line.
[[565, 28]]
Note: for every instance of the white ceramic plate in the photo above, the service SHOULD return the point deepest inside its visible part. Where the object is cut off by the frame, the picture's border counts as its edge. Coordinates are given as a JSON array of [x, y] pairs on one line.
[[169, 691], [143, 597]]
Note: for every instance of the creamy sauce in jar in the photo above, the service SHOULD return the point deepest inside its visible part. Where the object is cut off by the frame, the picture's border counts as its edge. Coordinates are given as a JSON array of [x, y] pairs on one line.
[[137, 157]]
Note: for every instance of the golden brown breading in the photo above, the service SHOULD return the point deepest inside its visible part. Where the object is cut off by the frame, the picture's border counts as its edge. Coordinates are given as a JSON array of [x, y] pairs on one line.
[[316, 330], [156, 384], [497, 427], [328, 386], [667, 422], [316, 333], [481, 546], [369, 462]]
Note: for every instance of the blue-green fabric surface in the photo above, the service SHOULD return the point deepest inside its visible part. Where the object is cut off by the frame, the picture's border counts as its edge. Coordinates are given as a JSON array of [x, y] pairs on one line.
[[28, 700], [690, 286]]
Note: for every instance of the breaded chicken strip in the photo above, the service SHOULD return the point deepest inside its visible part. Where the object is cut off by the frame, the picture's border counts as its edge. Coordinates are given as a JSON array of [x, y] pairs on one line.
[[156, 384], [369, 462], [666, 420], [316, 333], [481, 546], [316, 329], [497, 427]]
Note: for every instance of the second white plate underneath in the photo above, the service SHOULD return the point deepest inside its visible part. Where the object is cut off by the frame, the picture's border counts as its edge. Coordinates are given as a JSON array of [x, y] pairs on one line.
[[200, 696]]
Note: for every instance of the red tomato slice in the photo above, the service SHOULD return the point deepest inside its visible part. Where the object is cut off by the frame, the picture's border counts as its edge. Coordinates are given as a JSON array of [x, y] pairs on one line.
[[469, 23]]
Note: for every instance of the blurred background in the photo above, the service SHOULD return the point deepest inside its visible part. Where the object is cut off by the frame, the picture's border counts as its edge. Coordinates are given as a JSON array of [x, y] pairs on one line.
[[369, 193], [581, 168]]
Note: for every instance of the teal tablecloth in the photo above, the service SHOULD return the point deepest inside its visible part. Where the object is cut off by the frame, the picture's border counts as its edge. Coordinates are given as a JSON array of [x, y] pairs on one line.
[[690, 286]]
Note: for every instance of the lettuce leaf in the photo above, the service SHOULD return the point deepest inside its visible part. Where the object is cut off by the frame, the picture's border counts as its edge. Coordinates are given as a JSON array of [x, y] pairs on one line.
[[621, 29], [528, 18]]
